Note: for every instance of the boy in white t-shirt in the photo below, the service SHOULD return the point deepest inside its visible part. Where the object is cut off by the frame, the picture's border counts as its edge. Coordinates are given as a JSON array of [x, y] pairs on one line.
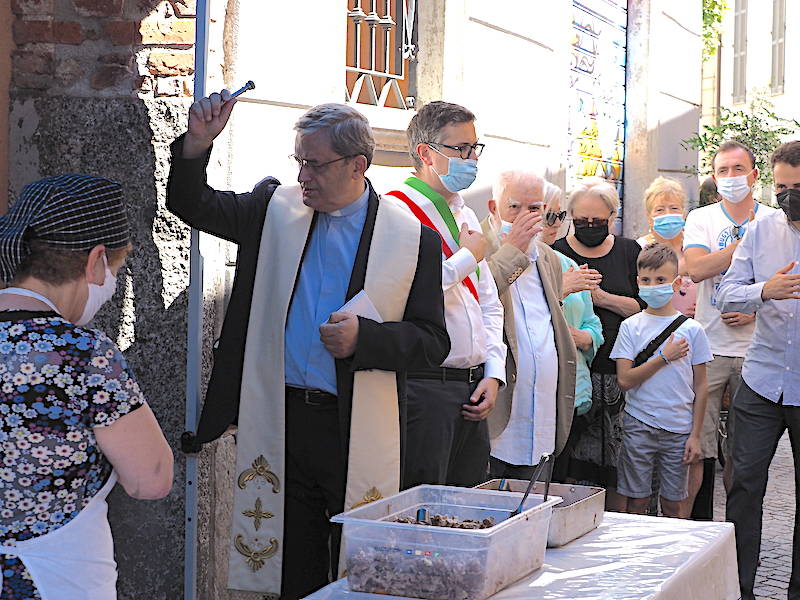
[[666, 394]]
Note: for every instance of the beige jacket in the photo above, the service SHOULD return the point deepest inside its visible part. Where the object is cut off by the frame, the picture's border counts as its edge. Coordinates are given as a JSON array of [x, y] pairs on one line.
[[507, 263]]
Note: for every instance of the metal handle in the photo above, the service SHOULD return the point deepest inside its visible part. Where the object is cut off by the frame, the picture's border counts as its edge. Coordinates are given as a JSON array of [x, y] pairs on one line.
[[247, 86], [538, 471]]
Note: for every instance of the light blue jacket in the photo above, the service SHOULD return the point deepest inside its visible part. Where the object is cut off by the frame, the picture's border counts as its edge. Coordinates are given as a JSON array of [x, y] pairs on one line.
[[579, 312]]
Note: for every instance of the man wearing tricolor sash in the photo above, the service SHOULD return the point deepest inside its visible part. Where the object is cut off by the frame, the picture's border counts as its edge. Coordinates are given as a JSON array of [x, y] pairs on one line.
[[317, 392], [448, 438]]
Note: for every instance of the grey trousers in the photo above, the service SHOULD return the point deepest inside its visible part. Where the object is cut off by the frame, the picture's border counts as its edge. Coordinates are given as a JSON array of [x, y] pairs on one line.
[[760, 423]]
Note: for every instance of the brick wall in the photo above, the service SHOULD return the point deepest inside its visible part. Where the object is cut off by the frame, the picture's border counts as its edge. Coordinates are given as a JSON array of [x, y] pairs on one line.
[[103, 87], [114, 47], [6, 45]]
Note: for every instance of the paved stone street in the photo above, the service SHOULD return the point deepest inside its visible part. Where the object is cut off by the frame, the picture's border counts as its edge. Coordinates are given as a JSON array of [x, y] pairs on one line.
[[772, 578]]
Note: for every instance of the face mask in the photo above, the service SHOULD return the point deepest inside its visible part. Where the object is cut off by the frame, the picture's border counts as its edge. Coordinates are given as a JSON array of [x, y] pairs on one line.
[[98, 295], [461, 173], [656, 296], [505, 228], [789, 201], [668, 226], [591, 236], [733, 189]]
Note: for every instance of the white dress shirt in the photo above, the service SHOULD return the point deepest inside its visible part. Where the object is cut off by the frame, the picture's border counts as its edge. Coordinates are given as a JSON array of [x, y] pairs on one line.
[[475, 329], [531, 429], [772, 363]]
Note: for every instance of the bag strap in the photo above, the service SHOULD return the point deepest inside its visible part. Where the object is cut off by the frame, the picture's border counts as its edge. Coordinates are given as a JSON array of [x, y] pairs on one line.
[[651, 348]]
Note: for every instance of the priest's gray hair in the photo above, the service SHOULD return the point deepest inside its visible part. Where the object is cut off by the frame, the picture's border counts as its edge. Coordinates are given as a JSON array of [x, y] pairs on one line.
[[596, 186], [349, 130]]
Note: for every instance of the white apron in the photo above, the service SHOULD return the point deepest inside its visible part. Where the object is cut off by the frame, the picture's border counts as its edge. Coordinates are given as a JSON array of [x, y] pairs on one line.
[[76, 561]]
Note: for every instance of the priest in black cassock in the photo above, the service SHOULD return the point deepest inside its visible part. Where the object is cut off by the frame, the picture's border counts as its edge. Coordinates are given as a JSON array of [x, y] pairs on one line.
[[317, 392]]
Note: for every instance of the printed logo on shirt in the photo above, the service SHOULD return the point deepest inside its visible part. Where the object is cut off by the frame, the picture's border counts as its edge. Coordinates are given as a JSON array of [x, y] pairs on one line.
[[726, 238], [713, 297]]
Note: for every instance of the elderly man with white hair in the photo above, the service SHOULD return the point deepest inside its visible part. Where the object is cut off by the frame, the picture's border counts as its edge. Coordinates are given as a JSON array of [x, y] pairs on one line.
[[533, 413]]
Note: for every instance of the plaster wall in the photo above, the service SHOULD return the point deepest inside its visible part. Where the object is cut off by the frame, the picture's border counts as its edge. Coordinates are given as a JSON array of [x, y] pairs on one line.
[[663, 100]]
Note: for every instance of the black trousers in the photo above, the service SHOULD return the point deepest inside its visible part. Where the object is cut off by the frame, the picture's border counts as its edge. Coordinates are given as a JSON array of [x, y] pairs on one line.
[[760, 424], [442, 447], [315, 484]]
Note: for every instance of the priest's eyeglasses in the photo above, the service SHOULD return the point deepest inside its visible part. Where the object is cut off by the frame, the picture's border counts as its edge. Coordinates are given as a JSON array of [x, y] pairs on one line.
[[315, 166], [464, 151]]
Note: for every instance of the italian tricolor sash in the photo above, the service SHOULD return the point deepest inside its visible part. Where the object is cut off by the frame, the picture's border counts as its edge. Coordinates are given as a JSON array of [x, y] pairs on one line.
[[433, 211]]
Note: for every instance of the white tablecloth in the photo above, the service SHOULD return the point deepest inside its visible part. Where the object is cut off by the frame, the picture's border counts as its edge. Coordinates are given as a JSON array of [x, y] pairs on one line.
[[627, 557]]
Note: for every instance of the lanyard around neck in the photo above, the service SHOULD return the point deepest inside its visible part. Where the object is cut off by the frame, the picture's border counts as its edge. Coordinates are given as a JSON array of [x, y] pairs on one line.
[[30, 294]]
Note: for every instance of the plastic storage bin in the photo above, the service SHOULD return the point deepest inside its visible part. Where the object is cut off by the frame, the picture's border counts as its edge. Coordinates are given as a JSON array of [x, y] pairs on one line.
[[580, 511], [437, 563]]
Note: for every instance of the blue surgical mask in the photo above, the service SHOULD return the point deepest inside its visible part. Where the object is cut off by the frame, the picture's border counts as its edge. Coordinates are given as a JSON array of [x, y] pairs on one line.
[[656, 296], [733, 189], [461, 173], [505, 227], [668, 226]]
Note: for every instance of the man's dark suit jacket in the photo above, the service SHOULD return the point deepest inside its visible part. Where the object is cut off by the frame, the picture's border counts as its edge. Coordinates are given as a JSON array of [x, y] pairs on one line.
[[419, 340]]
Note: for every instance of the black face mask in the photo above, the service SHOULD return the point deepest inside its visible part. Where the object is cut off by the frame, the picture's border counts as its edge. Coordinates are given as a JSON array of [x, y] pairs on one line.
[[591, 236], [789, 201]]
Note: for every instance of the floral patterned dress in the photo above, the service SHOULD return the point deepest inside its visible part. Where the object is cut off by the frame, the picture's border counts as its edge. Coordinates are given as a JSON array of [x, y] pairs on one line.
[[57, 382]]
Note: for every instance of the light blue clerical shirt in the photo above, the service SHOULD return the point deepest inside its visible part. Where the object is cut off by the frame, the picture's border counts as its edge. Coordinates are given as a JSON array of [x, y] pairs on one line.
[[321, 289]]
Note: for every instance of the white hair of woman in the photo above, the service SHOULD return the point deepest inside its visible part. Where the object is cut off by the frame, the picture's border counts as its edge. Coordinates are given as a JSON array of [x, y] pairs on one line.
[[598, 187], [552, 193]]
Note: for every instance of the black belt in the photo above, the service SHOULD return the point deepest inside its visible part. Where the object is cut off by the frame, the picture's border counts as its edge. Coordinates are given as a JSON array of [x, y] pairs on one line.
[[311, 397], [471, 375]]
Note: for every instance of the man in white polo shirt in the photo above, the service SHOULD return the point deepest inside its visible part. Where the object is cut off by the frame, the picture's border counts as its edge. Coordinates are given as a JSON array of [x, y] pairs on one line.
[[711, 235]]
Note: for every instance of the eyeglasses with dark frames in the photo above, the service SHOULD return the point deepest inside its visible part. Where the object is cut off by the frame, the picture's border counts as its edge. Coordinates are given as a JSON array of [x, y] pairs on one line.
[[552, 217], [589, 222], [464, 151], [317, 167]]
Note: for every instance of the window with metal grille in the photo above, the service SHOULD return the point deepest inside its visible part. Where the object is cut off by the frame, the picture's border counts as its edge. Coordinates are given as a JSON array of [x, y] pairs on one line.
[[381, 46], [778, 46], [740, 51]]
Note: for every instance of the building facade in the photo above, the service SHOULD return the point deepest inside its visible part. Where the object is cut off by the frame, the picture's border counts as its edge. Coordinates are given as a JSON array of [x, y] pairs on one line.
[[570, 88], [756, 41], [102, 87]]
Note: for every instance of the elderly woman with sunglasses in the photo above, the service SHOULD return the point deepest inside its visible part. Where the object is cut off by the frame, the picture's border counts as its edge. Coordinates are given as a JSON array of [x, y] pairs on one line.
[[592, 207], [578, 281]]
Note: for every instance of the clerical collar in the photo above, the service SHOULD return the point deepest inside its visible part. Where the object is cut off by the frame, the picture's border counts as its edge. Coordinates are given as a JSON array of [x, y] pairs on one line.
[[353, 207]]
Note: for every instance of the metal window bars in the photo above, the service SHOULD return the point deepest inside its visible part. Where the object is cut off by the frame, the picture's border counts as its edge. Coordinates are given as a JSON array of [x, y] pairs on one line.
[[378, 51]]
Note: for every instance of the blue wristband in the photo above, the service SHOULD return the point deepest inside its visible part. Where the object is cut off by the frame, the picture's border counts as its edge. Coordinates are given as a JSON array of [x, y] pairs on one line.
[[661, 354]]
